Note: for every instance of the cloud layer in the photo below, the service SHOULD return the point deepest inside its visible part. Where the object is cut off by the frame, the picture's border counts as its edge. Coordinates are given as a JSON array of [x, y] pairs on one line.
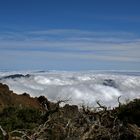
[[69, 45], [78, 87]]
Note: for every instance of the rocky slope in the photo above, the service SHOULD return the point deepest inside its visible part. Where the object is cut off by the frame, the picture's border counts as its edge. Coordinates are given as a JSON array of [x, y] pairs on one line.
[[9, 98]]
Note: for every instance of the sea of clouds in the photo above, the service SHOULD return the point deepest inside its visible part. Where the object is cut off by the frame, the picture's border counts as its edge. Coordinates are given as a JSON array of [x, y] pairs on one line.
[[78, 87]]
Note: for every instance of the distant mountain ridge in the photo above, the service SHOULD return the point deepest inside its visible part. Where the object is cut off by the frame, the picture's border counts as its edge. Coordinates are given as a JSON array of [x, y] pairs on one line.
[[13, 76]]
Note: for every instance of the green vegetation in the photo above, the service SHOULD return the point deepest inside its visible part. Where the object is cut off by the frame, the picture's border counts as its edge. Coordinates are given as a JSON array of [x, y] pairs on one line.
[[69, 122], [130, 113], [12, 118]]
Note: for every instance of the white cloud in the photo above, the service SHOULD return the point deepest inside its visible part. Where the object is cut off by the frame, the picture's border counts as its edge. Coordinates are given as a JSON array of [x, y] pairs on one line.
[[80, 87]]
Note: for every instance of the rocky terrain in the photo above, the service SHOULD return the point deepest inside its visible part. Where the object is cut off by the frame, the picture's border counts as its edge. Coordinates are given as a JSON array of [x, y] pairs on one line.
[[9, 98], [25, 118]]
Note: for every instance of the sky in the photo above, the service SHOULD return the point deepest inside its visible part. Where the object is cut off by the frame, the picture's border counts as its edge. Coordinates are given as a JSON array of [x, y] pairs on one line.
[[71, 35]]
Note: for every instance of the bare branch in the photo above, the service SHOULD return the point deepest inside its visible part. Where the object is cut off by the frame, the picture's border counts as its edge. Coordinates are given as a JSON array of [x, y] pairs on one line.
[[21, 132], [119, 101], [101, 106], [4, 133]]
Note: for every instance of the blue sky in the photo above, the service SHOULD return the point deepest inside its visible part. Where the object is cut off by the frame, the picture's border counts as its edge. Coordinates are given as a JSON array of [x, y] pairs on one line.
[[70, 35]]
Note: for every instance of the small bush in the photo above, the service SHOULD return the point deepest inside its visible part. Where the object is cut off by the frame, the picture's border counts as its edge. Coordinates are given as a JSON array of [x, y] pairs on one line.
[[12, 118]]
